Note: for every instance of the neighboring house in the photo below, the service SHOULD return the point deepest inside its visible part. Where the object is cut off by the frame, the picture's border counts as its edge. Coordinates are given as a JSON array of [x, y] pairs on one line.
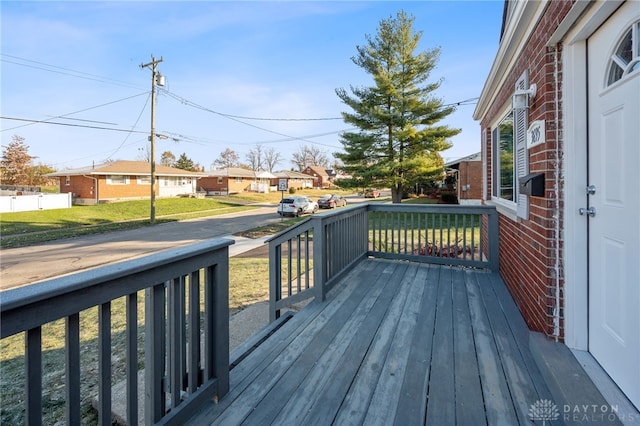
[[233, 180], [467, 173], [560, 110], [124, 180], [320, 175], [295, 180]]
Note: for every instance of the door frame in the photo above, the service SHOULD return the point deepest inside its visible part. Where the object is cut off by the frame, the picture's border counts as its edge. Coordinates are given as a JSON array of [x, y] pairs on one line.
[[575, 163]]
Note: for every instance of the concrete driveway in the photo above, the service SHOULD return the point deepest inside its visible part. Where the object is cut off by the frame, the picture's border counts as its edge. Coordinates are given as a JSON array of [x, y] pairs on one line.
[[28, 265]]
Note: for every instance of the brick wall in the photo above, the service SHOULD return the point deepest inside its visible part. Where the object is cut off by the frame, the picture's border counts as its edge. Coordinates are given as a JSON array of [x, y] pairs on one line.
[[84, 188], [132, 190], [470, 173], [227, 184], [529, 263]]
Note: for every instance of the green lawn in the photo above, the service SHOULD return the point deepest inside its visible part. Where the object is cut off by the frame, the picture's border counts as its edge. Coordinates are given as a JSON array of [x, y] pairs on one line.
[[25, 228]]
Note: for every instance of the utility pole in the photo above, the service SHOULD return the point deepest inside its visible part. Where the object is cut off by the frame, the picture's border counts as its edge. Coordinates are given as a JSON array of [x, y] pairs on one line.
[[156, 78]]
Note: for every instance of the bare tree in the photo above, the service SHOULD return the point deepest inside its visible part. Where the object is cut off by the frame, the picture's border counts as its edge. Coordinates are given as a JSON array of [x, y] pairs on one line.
[[168, 159], [16, 163], [271, 159], [255, 158], [309, 156], [228, 158]]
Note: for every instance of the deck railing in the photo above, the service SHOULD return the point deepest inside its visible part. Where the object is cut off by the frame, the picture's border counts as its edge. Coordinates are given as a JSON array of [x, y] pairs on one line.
[[186, 331], [307, 259]]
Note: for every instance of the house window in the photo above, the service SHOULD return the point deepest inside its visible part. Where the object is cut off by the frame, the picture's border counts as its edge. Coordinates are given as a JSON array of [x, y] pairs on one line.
[[503, 158], [220, 180], [67, 180], [510, 157], [143, 180], [626, 56], [172, 181], [238, 180], [117, 180]]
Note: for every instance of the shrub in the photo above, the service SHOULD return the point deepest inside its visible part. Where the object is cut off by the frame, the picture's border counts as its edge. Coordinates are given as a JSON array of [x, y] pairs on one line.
[[292, 190], [449, 198]]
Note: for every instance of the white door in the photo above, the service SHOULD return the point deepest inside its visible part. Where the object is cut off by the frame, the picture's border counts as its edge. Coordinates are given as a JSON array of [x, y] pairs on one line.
[[614, 230]]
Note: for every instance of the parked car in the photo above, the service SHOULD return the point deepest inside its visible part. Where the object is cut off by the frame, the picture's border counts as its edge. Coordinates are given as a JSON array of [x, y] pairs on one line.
[[331, 201], [371, 193], [296, 206]]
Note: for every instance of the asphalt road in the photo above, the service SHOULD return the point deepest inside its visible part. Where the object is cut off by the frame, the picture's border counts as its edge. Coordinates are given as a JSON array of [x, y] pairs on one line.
[[29, 265]]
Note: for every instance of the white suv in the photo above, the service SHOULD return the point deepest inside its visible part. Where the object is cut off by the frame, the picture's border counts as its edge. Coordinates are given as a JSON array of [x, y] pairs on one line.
[[296, 206]]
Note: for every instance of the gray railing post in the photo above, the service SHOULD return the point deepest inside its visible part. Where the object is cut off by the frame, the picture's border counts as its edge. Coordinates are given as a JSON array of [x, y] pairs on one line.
[[220, 336], [319, 260], [275, 279], [492, 233], [154, 354]]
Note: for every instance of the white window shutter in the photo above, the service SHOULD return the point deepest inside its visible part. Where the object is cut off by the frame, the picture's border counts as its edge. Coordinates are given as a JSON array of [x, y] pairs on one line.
[[520, 124]]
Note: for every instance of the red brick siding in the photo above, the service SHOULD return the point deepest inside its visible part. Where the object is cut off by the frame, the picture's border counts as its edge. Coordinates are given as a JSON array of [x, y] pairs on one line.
[[229, 184], [84, 187], [470, 173], [132, 190], [78, 185], [528, 260], [320, 181]]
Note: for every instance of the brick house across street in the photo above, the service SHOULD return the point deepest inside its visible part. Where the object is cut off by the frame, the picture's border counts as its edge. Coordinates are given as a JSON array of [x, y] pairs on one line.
[[560, 152], [467, 172], [320, 176], [233, 180], [294, 179], [124, 180]]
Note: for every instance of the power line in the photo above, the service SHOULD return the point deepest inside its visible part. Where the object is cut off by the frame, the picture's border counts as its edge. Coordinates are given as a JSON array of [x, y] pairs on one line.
[[66, 71], [66, 115], [67, 124], [194, 105], [131, 130]]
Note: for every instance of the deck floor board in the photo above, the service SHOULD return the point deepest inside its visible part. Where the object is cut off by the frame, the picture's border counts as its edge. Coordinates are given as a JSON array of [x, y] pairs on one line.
[[394, 343]]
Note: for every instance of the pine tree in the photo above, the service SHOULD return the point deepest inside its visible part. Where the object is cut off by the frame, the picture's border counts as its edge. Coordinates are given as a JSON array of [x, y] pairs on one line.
[[16, 163], [398, 140], [185, 163]]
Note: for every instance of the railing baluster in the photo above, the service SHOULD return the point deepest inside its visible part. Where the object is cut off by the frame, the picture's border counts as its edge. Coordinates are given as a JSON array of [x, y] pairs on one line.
[[289, 267], [298, 265], [306, 260], [473, 226], [441, 236], [104, 363], [132, 357], [456, 235], [72, 368], [176, 338], [154, 353], [193, 366], [33, 376]]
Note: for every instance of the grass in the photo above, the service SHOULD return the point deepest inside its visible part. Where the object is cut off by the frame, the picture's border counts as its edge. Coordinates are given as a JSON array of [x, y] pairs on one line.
[[26, 228]]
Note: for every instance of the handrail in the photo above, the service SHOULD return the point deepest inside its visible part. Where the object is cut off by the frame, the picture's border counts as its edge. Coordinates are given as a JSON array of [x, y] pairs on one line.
[[178, 372], [442, 234]]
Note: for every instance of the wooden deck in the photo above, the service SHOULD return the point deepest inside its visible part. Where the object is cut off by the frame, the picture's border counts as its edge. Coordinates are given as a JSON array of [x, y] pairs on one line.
[[395, 343]]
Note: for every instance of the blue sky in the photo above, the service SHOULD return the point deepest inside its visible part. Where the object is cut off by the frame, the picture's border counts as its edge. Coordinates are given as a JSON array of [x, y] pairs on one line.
[[78, 63]]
